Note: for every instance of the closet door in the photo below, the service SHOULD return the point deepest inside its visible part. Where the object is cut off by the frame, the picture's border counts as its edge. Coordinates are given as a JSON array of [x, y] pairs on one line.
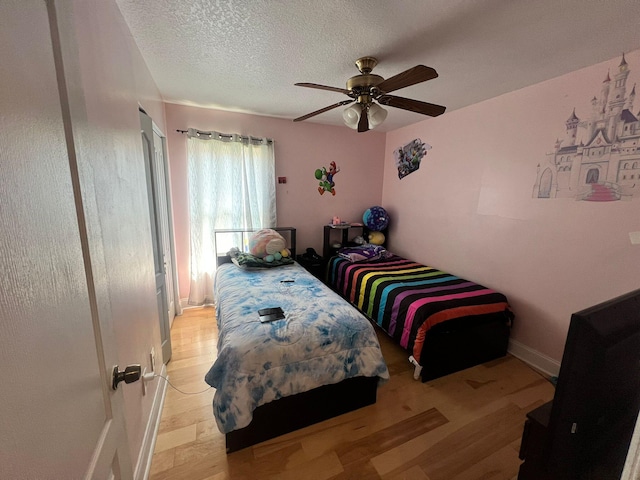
[[160, 179], [59, 417], [158, 219]]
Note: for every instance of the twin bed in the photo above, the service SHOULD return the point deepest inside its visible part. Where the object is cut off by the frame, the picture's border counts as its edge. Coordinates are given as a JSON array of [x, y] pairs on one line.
[[445, 322], [323, 359]]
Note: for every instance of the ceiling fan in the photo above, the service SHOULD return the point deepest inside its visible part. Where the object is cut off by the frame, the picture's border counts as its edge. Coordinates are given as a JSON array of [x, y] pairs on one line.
[[367, 88]]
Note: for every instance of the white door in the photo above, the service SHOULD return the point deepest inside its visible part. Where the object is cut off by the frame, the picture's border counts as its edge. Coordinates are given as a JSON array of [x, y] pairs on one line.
[[160, 179], [156, 218], [59, 418]]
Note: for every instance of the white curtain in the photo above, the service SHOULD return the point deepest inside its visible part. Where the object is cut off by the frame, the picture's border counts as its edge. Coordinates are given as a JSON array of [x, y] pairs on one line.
[[231, 185]]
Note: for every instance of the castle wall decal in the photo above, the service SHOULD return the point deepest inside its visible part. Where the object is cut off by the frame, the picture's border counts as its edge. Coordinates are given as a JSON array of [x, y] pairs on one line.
[[605, 164]]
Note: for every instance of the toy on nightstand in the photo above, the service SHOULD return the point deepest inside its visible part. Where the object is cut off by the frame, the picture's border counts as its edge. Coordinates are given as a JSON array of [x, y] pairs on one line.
[[359, 240], [376, 218], [376, 238]]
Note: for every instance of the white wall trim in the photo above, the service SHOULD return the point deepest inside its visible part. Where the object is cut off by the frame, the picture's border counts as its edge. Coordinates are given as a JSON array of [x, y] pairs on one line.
[[143, 467], [184, 303], [537, 360]]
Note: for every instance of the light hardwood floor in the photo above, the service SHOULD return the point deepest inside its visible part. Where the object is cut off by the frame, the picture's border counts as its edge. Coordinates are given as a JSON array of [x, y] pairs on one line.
[[465, 426]]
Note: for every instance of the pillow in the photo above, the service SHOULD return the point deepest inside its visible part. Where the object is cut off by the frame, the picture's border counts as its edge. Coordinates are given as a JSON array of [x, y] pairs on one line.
[[365, 252], [246, 260], [266, 242]]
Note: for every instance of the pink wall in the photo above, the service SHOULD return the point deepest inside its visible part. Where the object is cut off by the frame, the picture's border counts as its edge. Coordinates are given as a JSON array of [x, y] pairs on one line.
[[300, 149], [469, 208]]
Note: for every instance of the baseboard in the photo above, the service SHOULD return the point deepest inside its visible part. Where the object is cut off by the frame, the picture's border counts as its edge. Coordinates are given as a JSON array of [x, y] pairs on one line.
[[184, 303], [143, 466], [537, 360]]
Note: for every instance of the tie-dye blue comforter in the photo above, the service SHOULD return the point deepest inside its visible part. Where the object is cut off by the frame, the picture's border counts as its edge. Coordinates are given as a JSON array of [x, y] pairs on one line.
[[323, 340]]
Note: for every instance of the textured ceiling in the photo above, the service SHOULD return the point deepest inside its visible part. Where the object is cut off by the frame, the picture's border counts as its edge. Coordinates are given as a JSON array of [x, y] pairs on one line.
[[245, 56]]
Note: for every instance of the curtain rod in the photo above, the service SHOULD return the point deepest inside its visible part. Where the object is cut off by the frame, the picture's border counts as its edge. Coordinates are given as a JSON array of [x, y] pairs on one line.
[[224, 135]]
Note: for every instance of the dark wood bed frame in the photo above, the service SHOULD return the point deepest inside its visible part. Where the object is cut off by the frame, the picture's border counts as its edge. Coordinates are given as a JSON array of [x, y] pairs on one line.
[[463, 343], [297, 411], [289, 234]]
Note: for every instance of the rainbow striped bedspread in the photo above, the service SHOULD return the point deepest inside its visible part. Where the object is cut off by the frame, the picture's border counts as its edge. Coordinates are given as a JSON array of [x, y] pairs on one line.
[[406, 298]]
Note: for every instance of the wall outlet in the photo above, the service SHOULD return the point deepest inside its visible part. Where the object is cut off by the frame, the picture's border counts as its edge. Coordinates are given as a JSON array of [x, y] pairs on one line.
[[634, 237], [152, 359]]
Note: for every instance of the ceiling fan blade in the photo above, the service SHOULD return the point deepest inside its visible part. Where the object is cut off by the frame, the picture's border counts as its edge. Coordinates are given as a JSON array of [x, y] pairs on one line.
[[323, 87], [417, 106], [363, 124], [322, 110], [414, 75]]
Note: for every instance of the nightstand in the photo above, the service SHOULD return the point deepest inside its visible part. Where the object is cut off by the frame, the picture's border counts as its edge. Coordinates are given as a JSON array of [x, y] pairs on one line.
[[341, 234], [314, 267]]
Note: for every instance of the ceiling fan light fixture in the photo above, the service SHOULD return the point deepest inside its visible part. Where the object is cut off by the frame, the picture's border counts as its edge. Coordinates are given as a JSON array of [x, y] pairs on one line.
[[368, 90], [351, 115], [377, 115]]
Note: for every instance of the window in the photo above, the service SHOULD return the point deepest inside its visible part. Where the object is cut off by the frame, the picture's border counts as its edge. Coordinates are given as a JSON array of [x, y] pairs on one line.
[[231, 185]]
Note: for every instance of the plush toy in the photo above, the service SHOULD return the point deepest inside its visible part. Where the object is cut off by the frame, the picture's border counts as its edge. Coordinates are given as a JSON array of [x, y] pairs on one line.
[[266, 243], [284, 253], [375, 218], [359, 240], [326, 178], [376, 238]]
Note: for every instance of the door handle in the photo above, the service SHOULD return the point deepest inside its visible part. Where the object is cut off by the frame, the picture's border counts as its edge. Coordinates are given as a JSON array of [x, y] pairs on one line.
[[130, 374]]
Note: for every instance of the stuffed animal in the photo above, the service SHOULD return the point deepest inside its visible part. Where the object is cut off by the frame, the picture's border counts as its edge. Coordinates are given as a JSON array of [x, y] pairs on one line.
[[284, 253], [376, 238], [265, 243]]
